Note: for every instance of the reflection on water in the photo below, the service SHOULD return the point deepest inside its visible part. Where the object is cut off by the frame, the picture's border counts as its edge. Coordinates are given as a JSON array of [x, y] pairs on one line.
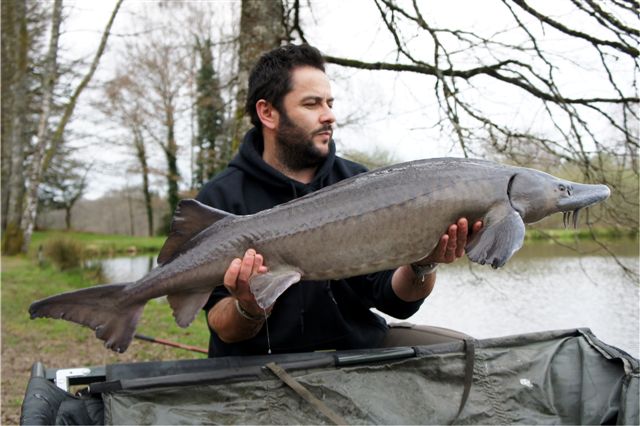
[[543, 287], [125, 268]]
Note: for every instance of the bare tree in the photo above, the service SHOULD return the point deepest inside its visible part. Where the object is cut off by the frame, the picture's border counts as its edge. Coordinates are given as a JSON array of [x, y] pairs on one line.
[[158, 69], [466, 65], [23, 32], [46, 141], [15, 49], [123, 106], [153, 93], [37, 167]]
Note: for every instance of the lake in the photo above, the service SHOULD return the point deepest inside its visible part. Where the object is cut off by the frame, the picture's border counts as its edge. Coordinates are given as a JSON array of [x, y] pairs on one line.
[[543, 287]]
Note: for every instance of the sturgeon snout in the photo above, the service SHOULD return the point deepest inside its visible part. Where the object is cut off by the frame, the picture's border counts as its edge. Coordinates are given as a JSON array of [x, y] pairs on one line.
[[580, 196]]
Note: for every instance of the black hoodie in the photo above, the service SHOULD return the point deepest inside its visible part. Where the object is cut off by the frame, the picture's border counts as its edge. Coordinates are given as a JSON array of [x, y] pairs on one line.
[[310, 315]]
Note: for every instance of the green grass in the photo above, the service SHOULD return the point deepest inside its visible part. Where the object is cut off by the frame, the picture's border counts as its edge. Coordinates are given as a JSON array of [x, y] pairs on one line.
[[101, 244], [606, 234], [61, 344], [24, 282]]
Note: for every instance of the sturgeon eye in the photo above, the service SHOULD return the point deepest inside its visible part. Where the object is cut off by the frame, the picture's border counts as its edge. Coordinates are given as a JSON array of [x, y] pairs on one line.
[[561, 187]]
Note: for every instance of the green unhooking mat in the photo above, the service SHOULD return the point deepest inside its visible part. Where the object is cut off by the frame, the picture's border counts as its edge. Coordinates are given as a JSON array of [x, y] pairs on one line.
[[556, 377]]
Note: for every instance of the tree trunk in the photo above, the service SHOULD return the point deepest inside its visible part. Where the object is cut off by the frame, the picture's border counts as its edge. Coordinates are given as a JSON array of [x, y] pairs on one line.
[[147, 202], [67, 217], [15, 88], [261, 29], [132, 229], [141, 154], [34, 173], [173, 175], [45, 146], [9, 71]]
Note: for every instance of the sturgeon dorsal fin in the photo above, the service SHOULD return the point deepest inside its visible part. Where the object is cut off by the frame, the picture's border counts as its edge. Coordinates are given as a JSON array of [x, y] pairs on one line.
[[190, 217], [500, 237]]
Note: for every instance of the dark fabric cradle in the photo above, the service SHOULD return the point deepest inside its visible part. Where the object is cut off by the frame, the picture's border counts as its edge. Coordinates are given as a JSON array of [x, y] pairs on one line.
[[554, 377]]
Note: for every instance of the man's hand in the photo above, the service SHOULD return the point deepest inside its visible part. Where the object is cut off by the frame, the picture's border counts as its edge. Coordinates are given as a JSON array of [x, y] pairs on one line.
[[225, 317], [237, 276], [450, 248], [451, 245]]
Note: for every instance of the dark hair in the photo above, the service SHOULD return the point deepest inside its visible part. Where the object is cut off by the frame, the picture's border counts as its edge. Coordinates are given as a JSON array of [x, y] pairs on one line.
[[270, 78]]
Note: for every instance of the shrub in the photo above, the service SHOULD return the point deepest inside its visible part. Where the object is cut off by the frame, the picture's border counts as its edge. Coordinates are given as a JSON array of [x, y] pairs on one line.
[[64, 252]]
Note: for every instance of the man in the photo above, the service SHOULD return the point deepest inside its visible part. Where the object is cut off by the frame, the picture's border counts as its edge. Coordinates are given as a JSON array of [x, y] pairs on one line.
[[290, 153]]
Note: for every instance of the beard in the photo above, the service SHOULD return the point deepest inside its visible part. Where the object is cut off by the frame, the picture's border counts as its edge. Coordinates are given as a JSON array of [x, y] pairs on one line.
[[294, 145]]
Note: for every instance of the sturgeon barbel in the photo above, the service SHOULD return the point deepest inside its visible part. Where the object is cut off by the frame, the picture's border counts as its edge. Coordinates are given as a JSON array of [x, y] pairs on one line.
[[371, 222]]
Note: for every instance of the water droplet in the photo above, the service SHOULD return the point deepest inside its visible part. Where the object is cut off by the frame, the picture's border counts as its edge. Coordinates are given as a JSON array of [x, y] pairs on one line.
[[266, 324]]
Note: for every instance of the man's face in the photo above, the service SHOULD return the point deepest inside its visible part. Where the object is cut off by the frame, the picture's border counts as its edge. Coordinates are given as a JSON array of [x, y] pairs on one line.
[[305, 124]]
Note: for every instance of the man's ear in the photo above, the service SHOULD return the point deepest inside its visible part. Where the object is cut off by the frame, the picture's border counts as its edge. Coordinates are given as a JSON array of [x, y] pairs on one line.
[[268, 115]]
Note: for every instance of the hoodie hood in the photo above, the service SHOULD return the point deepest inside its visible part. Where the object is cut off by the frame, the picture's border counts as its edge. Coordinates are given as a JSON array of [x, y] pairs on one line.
[[249, 160]]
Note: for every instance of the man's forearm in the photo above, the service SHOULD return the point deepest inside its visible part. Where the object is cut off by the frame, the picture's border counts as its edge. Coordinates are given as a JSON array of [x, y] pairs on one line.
[[410, 287], [229, 324]]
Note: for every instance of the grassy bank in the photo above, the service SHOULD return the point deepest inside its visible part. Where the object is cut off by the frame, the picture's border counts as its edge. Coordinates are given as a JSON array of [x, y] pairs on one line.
[[23, 282], [62, 344], [101, 244], [603, 234]]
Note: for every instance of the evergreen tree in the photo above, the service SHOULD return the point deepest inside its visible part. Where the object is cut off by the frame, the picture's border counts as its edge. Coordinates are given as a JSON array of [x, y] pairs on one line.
[[212, 149]]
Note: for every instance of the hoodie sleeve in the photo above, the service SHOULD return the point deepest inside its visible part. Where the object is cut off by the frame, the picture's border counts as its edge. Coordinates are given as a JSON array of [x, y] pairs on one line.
[[377, 291]]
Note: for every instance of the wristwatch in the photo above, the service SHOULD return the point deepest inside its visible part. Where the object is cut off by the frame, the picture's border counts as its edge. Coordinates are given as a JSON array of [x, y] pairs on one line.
[[422, 271]]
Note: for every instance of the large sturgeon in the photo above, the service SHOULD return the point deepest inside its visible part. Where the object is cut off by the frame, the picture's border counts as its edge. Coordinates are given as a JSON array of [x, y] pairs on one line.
[[374, 221]]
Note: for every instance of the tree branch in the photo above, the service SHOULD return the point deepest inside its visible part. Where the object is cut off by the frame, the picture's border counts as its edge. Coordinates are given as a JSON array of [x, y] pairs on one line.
[[490, 70], [629, 50]]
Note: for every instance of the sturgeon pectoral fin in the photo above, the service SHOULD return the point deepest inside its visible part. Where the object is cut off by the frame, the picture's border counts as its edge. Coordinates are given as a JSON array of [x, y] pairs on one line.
[[501, 236], [186, 306], [268, 287]]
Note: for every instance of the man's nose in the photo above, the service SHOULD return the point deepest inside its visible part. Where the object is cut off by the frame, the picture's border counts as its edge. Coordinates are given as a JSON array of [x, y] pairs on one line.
[[327, 116]]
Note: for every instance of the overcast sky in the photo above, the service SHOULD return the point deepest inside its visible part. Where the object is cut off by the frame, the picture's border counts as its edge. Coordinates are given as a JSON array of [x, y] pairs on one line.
[[398, 112]]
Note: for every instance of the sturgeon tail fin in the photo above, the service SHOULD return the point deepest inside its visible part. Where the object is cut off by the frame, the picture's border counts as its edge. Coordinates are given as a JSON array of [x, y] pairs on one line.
[[102, 308]]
